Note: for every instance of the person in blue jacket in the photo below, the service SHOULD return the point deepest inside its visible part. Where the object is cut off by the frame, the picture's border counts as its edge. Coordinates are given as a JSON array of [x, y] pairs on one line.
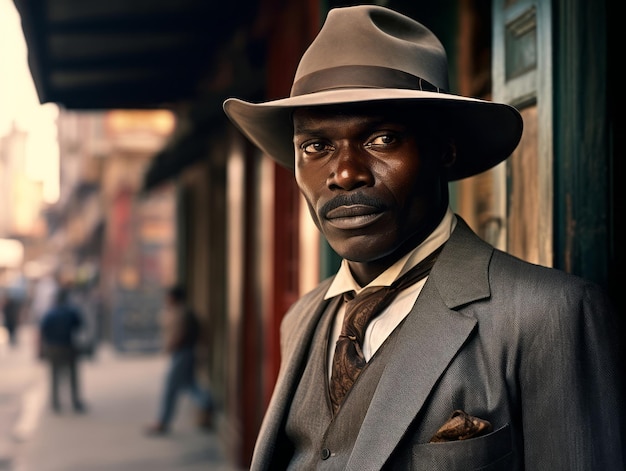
[[180, 331], [58, 330]]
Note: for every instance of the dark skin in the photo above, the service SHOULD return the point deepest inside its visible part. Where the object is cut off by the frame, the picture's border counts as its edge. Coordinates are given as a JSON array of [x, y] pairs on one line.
[[374, 181]]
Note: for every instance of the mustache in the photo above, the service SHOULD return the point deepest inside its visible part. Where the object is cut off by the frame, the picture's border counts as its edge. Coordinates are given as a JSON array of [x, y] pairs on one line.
[[352, 199]]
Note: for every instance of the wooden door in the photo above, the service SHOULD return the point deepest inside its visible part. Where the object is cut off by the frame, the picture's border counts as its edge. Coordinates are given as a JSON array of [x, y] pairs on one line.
[[522, 77]]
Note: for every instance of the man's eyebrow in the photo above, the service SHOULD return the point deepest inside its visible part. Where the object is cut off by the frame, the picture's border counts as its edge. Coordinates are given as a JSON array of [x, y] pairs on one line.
[[305, 128]]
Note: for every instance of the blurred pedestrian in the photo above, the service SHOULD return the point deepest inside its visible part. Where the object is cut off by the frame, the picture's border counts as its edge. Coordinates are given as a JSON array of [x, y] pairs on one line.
[[11, 310], [58, 331], [180, 330]]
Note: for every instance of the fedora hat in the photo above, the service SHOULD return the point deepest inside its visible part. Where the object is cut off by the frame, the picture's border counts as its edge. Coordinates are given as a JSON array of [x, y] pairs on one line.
[[370, 53]]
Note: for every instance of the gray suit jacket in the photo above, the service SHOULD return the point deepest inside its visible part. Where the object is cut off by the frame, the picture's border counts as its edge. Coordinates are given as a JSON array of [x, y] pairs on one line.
[[531, 349]]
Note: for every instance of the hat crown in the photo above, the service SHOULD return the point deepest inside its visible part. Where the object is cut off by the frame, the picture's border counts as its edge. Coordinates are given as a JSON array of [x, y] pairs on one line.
[[373, 37]]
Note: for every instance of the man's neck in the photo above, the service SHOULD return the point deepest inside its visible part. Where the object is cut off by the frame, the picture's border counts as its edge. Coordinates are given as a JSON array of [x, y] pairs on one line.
[[365, 272]]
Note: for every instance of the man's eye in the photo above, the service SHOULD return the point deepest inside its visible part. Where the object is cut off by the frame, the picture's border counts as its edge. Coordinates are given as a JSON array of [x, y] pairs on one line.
[[314, 147], [382, 140]]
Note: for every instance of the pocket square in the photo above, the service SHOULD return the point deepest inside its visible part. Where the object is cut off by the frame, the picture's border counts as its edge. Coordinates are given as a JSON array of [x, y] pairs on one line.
[[461, 426]]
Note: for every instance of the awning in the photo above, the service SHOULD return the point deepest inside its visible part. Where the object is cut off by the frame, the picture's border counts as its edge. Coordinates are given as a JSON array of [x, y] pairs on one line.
[[95, 54]]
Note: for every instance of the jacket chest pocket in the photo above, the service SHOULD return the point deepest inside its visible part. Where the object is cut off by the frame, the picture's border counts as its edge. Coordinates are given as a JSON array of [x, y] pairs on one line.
[[490, 452]]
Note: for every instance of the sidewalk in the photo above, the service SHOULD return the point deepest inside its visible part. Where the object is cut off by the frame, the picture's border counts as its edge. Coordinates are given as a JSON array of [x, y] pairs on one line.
[[121, 393]]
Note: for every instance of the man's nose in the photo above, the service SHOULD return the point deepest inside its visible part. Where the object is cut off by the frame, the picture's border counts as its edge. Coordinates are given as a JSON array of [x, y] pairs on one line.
[[350, 169]]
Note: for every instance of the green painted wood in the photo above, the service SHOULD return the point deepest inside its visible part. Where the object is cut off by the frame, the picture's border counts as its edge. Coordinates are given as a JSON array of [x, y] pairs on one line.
[[581, 134], [329, 260]]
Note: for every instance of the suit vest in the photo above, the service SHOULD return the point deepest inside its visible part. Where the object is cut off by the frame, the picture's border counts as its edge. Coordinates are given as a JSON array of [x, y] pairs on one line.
[[319, 441]]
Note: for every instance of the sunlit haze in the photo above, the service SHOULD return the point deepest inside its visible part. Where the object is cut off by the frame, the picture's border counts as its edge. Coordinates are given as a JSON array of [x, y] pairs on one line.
[[19, 105]]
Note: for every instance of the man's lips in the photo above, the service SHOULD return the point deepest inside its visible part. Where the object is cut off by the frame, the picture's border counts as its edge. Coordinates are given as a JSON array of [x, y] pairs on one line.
[[352, 217], [352, 211]]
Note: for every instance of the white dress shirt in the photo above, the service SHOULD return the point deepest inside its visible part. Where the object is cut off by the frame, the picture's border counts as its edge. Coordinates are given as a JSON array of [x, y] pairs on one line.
[[382, 325]]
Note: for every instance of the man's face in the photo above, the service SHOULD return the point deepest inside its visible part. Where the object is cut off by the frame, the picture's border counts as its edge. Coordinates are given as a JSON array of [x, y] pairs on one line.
[[374, 188]]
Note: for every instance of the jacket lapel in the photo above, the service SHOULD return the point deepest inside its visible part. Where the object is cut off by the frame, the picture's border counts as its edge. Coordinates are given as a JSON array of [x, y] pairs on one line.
[[294, 350], [430, 337]]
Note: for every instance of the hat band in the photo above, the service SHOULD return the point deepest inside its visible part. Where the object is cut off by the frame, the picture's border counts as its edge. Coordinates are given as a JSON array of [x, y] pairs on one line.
[[360, 76]]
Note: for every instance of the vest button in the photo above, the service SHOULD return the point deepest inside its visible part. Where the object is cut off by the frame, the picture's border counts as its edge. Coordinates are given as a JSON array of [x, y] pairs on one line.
[[325, 453]]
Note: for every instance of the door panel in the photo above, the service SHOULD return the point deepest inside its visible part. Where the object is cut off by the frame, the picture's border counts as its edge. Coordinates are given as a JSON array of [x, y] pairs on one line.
[[522, 77]]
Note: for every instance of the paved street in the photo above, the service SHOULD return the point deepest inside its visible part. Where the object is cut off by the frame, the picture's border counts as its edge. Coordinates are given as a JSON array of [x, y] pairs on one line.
[[121, 395]]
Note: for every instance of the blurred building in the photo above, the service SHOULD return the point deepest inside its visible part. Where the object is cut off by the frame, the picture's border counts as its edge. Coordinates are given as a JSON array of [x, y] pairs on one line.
[[115, 248], [22, 196], [21, 224]]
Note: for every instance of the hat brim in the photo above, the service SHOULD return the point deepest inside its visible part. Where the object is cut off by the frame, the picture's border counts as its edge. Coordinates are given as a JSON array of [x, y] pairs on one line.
[[485, 132]]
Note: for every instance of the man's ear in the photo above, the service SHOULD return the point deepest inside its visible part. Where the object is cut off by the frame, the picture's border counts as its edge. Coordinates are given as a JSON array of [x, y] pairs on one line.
[[448, 154]]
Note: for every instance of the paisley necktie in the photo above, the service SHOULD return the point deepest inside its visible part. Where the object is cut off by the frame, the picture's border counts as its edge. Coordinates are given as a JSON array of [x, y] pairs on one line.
[[348, 360]]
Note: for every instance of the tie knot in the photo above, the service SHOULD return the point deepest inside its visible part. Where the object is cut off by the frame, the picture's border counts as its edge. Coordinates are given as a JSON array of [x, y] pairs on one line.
[[360, 310]]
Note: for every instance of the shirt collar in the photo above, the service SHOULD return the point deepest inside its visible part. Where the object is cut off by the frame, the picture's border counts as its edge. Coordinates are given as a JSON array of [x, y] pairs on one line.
[[344, 281]]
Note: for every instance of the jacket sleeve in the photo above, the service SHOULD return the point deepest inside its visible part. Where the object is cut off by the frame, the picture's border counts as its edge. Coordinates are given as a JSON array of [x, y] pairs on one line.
[[571, 384]]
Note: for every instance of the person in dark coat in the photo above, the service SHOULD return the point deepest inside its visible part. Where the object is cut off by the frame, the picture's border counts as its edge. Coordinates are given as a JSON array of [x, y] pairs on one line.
[[58, 330], [12, 316]]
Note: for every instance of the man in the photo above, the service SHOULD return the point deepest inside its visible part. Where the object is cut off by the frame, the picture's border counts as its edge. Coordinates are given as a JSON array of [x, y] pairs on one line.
[[476, 359], [58, 330], [180, 329]]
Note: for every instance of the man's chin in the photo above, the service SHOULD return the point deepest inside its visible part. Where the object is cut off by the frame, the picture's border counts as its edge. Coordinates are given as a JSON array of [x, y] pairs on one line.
[[362, 252]]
